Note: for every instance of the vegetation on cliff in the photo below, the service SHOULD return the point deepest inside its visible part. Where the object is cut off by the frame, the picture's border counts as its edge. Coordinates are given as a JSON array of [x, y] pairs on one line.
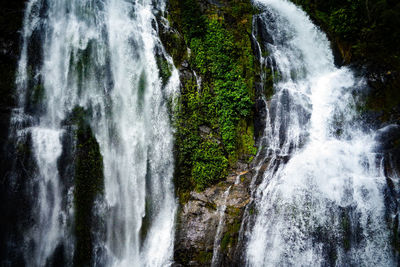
[[214, 118]]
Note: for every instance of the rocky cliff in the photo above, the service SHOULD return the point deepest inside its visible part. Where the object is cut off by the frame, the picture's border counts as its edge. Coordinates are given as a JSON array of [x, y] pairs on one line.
[[218, 120], [12, 203]]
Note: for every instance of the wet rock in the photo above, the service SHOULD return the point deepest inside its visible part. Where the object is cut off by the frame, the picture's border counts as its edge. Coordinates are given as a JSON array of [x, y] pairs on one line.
[[260, 117], [199, 219], [172, 41], [242, 165], [264, 35], [388, 137], [185, 73], [205, 129]]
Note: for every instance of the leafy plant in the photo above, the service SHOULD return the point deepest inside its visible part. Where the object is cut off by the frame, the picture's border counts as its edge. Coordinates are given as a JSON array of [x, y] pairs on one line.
[[222, 55]]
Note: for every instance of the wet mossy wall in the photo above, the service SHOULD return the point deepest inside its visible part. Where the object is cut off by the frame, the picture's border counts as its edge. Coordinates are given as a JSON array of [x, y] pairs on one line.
[[211, 46], [89, 187]]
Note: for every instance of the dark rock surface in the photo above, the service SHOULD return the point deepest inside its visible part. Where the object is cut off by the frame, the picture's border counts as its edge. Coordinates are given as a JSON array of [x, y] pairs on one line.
[[199, 218], [12, 201]]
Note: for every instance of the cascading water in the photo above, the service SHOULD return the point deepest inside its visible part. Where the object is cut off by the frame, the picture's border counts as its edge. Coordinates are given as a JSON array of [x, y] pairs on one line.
[[221, 223], [100, 56], [320, 200]]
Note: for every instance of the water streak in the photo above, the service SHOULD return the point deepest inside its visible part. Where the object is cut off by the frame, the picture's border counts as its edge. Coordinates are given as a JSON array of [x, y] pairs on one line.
[[221, 224]]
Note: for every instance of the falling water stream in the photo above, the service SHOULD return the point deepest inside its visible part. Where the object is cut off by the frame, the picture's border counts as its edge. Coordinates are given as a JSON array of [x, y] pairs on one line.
[[100, 56], [320, 201], [221, 223]]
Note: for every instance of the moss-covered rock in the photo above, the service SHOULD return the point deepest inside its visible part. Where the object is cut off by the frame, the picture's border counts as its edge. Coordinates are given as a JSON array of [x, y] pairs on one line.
[[164, 69], [217, 77], [172, 40], [199, 218], [89, 186]]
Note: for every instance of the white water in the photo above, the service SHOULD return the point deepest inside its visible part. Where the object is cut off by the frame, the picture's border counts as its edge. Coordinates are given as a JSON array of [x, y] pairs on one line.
[[325, 206], [100, 55], [47, 147], [221, 224]]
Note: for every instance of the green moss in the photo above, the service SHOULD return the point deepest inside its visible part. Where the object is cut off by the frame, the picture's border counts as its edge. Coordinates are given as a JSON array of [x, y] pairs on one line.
[[246, 142], [230, 238], [209, 166], [89, 184], [251, 210], [141, 89], [201, 159], [204, 257], [173, 43], [266, 76], [38, 93], [35, 91], [269, 82], [221, 54], [211, 206], [231, 235], [146, 222], [225, 241], [81, 62], [346, 228], [164, 69], [23, 148]]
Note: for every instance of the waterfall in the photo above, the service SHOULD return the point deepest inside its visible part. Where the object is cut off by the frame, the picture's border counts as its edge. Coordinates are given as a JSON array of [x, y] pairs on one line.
[[100, 57], [320, 201]]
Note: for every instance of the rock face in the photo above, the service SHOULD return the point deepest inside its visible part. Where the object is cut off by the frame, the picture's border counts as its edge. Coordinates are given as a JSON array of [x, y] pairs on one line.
[[200, 218], [12, 202], [209, 222]]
